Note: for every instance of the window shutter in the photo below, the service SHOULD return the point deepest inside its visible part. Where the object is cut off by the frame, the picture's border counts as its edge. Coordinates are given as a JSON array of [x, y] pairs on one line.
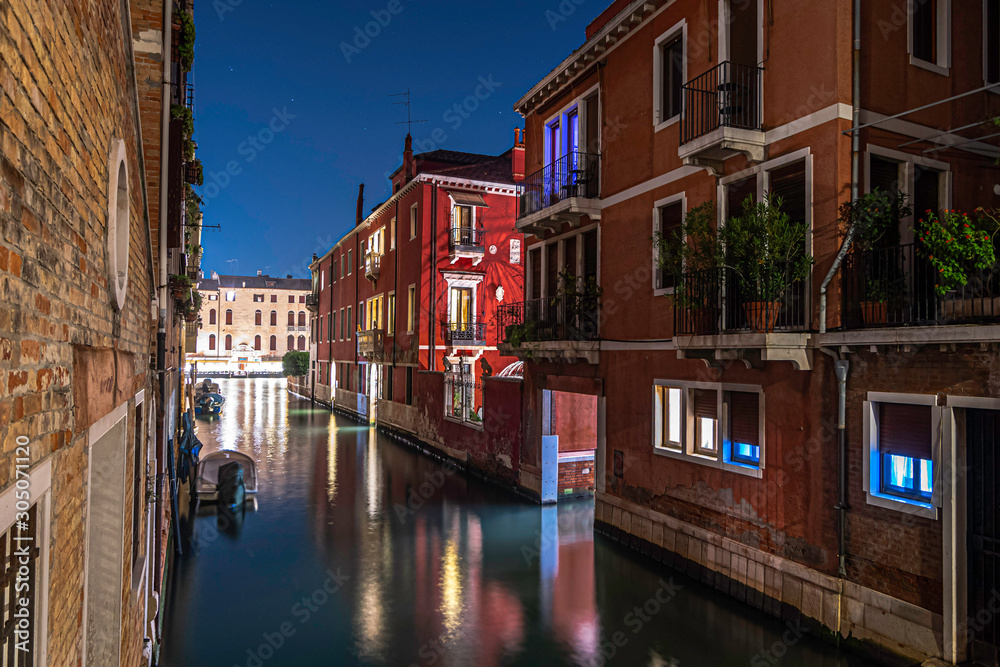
[[744, 418], [737, 193], [705, 403], [789, 183], [905, 430]]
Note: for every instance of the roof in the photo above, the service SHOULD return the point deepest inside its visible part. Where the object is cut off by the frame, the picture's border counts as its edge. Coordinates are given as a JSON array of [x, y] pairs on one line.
[[256, 282], [455, 157], [495, 169]]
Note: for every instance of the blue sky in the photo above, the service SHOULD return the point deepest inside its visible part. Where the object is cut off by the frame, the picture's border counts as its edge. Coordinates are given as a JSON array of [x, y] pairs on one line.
[[293, 106]]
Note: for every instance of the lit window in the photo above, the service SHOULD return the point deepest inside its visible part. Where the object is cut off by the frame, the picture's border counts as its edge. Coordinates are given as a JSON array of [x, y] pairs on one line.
[[744, 428], [213, 297], [413, 221], [230, 296], [905, 442], [392, 234], [411, 308], [705, 409], [669, 417]]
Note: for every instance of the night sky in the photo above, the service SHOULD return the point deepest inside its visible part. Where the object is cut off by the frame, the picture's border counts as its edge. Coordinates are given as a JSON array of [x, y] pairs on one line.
[[301, 70]]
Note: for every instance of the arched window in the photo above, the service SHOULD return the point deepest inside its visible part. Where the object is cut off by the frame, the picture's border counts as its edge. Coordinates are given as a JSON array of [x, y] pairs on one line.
[[291, 318], [274, 318], [229, 343], [291, 342], [302, 342], [258, 318], [229, 317], [302, 318], [256, 343], [274, 343], [211, 339], [211, 316]]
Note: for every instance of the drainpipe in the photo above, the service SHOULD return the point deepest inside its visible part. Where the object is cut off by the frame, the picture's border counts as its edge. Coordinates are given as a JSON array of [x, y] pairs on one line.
[[432, 361], [842, 367], [168, 29]]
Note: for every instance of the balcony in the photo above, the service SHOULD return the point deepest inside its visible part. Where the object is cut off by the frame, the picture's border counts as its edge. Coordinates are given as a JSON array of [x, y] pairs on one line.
[[716, 318], [312, 302], [722, 116], [467, 242], [559, 328], [894, 287], [371, 344], [466, 334], [566, 191], [373, 261]]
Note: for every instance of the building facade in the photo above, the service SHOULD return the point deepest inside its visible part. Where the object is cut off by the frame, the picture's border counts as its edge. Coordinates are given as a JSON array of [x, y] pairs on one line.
[[720, 447], [405, 303], [256, 319]]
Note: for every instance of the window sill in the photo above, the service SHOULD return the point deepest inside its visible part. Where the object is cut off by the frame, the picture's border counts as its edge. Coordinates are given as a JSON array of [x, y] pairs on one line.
[[929, 66], [700, 459], [904, 505], [663, 291], [667, 123], [455, 420]]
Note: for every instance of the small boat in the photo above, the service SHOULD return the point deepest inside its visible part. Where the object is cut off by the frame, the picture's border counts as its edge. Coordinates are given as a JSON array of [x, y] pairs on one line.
[[208, 401], [226, 477]]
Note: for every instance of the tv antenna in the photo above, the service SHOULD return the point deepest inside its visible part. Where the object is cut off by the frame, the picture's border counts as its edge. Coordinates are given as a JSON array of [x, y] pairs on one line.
[[230, 263], [406, 102]]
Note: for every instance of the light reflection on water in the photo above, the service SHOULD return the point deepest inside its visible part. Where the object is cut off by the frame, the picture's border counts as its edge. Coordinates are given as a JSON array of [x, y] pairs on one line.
[[441, 569]]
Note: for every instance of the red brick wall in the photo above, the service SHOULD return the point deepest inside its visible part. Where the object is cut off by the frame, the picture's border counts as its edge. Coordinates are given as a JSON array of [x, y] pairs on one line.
[[576, 476]]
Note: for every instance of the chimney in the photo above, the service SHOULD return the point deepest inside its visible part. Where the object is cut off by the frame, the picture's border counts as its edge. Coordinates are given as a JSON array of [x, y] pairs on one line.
[[517, 155], [215, 276], [289, 276], [361, 205], [259, 273], [408, 159]]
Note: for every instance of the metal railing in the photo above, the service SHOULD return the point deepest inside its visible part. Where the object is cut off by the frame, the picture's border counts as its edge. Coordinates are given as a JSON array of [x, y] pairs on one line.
[[573, 175], [728, 95], [373, 262], [466, 333], [370, 343], [312, 302], [466, 238], [557, 318], [718, 301], [897, 287]]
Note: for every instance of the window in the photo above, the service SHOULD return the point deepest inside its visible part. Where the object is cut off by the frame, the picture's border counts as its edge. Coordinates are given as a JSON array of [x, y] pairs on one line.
[[302, 318], [387, 390], [213, 297], [669, 72], [230, 296], [318, 335], [291, 342], [138, 482], [322, 280], [229, 343], [229, 317], [302, 343], [341, 266], [256, 343], [291, 298], [924, 28], [462, 217], [463, 395], [350, 264], [743, 441], [667, 222], [258, 318], [461, 308], [211, 316], [211, 342], [390, 313], [515, 251], [274, 344], [535, 272], [705, 409], [413, 222], [350, 323], [258, 298], [343, 323], [411, 309], [392, 234], [274, 298], [669, 416], [302, 298], [291, 318], [274, 318], [409, 385], [930, 34], [991, 42]]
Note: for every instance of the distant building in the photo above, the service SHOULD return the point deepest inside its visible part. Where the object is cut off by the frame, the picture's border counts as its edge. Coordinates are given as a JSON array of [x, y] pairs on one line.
[[249, 322]]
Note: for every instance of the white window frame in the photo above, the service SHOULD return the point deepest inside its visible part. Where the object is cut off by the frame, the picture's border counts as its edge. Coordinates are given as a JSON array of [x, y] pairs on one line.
[[411, 308], [678, 30], [414, 220], [390, 313], [657, 226], [392, 233], [658, 412], [350, 263], [464, 281], [579, 105], [908, 163], [873, 460], [942, 61], [721, 457]]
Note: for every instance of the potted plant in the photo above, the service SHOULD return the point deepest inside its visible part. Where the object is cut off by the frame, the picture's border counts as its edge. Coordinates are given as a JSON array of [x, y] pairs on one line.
[[581, 297], [956, 245], [767, 253], [192, 307], [691, 254], [180, 285]]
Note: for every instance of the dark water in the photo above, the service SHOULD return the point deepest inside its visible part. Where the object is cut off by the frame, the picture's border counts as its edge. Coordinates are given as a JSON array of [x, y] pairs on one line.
[[363, 552]]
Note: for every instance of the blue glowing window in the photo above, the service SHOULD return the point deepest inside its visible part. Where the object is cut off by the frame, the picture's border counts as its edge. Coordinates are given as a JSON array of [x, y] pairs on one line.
[[908, 477], [744, 453]]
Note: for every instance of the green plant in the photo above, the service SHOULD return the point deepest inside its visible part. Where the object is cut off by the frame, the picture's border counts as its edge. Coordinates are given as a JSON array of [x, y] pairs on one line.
[[955, 245], [692, 247], [190, 150], [766, 250], [185, 42], [184, 115], [192, 304], [199, 174], [516, 334], [868, 219], [295, 363], [192, 207], [180, 281]]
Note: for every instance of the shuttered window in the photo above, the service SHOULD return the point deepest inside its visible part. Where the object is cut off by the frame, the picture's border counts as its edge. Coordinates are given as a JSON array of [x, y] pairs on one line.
[[924, 27], [789, 183], [991, 24], [744, 427], [704, 403], [535, 258], [737, 193], [671, 218], [905, 430]]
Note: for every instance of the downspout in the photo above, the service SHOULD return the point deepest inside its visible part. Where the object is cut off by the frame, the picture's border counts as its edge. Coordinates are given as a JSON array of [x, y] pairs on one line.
[[855, 162], [432, 361], [395, 291], [168, 28], [331, 372]]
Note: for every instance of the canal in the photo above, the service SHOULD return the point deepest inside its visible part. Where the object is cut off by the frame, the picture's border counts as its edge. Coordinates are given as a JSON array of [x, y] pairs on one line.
[[364, 552]]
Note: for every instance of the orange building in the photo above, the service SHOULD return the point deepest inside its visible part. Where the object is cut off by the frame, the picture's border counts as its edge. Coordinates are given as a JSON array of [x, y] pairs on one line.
[[719, 444]]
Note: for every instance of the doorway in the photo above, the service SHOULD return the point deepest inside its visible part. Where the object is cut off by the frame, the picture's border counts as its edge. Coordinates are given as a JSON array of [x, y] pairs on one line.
[[983, 547], [569, 444]]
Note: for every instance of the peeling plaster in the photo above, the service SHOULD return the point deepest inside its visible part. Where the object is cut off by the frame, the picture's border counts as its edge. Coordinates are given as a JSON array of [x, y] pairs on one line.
[[149, 42]]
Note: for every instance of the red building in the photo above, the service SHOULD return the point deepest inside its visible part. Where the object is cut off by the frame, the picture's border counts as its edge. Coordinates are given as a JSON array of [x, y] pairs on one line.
[[405, 303], [718, 447]]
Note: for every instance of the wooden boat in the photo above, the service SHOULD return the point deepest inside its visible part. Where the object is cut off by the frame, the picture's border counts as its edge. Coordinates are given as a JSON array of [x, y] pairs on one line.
[[226, 477]]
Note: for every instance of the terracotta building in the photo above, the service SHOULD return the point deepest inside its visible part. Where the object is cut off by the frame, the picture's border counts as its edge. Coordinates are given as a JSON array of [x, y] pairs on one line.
[[260, 315], [719, 447], [85, 256], [405, 303]]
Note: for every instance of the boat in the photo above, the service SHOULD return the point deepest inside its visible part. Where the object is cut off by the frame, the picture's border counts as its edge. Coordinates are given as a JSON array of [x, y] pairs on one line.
[[208, 401], [226, 477]]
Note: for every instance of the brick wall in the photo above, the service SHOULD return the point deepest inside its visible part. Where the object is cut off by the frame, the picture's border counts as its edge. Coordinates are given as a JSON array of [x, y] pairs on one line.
[[576, 477], [67, 356]]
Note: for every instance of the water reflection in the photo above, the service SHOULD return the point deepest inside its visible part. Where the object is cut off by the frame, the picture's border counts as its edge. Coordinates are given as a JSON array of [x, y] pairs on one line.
[[434, 568]]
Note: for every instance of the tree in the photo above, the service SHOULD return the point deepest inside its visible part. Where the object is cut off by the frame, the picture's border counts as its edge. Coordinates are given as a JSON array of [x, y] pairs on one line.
[[295, 364]]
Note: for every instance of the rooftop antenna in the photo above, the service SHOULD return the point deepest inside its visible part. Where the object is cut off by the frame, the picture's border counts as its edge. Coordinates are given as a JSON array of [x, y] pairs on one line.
[[230, 263], [406, 101]]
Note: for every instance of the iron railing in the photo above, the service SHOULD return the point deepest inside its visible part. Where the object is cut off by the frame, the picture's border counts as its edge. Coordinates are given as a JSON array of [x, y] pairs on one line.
[[718, 301], [897, 287], [466, 333], [463, 398], [557, 318], [728, 95], [466, 238], [370, 343], [573, 175]]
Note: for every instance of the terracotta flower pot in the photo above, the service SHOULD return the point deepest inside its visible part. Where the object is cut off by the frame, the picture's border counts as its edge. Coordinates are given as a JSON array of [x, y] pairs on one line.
[[874, 312], [762, 315], [702, 321]]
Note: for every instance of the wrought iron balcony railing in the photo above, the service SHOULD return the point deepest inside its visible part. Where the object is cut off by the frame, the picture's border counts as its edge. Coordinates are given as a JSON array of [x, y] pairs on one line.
[[557, 318], [371, 343], [728, 95], [467, 238], [718, 301], [312, 302], [466, 333], [373, 262], [573, 175], [897, 287]]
